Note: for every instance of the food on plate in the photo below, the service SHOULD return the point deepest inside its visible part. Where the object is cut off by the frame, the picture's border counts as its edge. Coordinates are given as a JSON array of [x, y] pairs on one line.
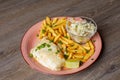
[[72, 63], [82, 29], [57, 49], [48, 54]]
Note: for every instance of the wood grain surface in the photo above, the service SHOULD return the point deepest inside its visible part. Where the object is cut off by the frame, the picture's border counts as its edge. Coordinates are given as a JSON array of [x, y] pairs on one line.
[[17, 16]]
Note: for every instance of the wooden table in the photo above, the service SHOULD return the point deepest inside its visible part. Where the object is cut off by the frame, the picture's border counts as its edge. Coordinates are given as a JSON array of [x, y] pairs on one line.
[[17, 16]]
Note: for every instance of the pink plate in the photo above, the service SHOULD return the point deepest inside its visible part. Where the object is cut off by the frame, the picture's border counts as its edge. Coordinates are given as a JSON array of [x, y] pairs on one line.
[[30, 40]]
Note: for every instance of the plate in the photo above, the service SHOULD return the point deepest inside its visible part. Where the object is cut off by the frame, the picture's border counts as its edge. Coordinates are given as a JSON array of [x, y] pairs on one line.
[[29, 40]]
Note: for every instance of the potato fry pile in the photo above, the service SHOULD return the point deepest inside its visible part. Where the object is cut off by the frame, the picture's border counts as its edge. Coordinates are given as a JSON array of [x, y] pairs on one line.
[[55, 30]]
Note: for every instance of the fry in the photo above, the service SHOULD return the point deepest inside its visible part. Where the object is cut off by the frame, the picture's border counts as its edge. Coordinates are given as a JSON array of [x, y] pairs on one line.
[[64, 47], [78, 56], [68, 36], [44, 23], [49, 35], [70, 55], [54, 20], [56, 27], [56, 38], [60, 21], [63, 41], [63, 30], [52, 31], [86, 46], [60, 31], [40, 35], [56, 31], [48, 21], [67, 40], [91, 52], [73, 47], [91, 45], [86, 56]]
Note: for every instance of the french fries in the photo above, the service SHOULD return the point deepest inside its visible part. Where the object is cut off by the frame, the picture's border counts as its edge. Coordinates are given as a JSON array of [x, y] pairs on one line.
[[55, 30]]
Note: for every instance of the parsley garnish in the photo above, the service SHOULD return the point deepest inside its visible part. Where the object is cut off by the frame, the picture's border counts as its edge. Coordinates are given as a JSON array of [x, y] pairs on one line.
[[49, 49], [65, 36], [87, 51], [81, 62], [30, 55], [76, 26], [51, 41], [48, 45], [41, 46], [57, 51], [60, 42], [43, 31], [65, 56]]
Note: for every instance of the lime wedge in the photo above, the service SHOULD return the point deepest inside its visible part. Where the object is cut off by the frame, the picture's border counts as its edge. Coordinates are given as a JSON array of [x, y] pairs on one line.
[[72, 63]]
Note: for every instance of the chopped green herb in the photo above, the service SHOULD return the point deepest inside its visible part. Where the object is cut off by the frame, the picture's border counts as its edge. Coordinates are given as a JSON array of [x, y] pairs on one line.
[[37, 35], [43, 31], [57, 51], [30, 55], [93, 40], [81, 62], [36, 49], [41, 46], [75, 51], [49, 49], [65, 56], [60, 42], [48, 45], [65, 36], [87, 51], [51, 41], [76, 26]]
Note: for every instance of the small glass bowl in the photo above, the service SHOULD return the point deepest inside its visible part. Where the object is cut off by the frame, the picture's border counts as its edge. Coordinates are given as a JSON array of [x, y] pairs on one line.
[[82, 39]]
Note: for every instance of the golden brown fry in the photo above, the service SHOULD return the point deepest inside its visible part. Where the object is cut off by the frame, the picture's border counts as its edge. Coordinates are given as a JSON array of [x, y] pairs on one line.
[[73, 47], [91, 52], [78, 56], [70, 55], [48, 21], [52, 38], [56, 31], [61, 21], [91, 45], [49, 35], [56, 27], [44, 23], [68, 35], [52, 31], [63, 30], [86, 56], [67, 40], [63, 41], [86, 46], [54, 21], [40, 35], [64, 47], [60, 31], [57, 37]]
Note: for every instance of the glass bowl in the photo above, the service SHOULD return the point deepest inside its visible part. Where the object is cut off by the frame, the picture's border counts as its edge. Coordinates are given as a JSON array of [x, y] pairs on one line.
[[78, 38]]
